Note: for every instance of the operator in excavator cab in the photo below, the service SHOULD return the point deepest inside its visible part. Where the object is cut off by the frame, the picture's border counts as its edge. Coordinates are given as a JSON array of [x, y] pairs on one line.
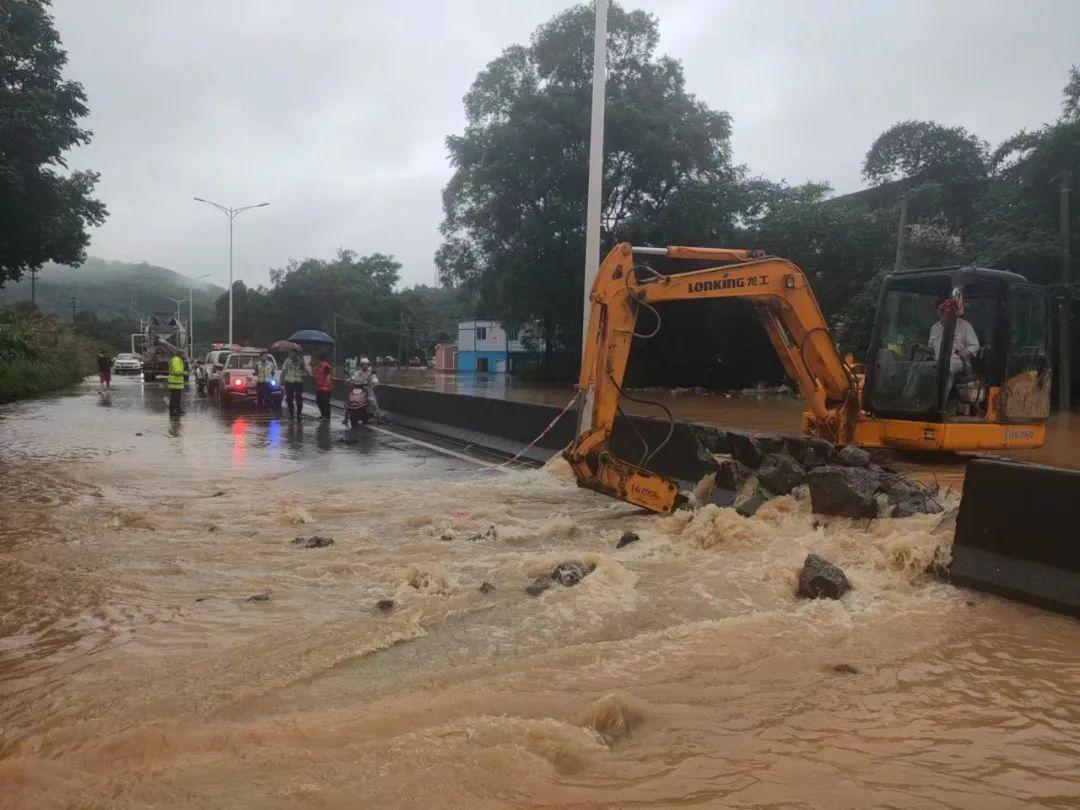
[[965, 341]]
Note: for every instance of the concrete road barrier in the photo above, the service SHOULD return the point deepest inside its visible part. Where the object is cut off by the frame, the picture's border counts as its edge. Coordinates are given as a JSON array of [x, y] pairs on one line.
[[1017, 534], [507, 427]]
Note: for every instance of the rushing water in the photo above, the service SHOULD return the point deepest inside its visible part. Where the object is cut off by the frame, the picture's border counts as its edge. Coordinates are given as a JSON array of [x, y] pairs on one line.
[[135, 672]]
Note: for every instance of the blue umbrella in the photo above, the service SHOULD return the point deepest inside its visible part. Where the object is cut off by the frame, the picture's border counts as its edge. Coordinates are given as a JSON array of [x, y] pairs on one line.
[[311, 336]]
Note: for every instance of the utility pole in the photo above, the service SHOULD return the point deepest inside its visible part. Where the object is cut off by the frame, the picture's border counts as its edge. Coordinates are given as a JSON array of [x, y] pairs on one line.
[[33, 286], [901, 235], [1065, 375], [74, 305], [231, 213], [596, 162], [191, 313]]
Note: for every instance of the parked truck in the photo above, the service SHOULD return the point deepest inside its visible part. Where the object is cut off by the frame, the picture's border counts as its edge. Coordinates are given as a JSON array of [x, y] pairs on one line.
[[159, 336]]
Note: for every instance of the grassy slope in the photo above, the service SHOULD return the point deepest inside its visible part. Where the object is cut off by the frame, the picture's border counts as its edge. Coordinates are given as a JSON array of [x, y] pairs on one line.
[[31, 364]]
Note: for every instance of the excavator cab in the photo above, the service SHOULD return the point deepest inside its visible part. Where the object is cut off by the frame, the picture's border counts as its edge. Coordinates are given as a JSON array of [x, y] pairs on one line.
[[986, 359]]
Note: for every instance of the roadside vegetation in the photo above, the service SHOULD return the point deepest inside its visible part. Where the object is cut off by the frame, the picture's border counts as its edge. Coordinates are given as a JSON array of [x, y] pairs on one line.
[[39, 354]]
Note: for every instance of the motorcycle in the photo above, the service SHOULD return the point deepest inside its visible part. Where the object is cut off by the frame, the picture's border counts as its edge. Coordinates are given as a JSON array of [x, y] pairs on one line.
[[356, 407]]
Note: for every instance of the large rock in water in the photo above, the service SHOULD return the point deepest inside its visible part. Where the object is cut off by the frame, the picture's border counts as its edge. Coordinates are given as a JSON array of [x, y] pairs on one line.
[[908, 498], [820, 579], [780, 473], [750, 497], [852, 456], [732, 474], [571, 573], [843, 491], [744, 448], [818, 452]]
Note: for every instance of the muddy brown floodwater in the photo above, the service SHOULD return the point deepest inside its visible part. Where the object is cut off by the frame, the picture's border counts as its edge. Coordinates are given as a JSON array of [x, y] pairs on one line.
[[135, 672]]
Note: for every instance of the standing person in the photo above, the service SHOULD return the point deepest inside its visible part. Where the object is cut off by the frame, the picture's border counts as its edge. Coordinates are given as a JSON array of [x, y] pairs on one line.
[[264, 372], [175, 383], [292, 374], [324, 384], [104, 370]]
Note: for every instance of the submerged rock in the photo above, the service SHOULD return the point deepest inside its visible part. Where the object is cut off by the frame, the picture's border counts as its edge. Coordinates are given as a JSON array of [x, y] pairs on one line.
[[845, 669], [259, 597], [820, 579], [627, 538], [571, 573], [315, 541], [539, 585], [750, 497], [490, 534], [567, 574], [843, 491], [486, 587], [908, 498], [385, 605]]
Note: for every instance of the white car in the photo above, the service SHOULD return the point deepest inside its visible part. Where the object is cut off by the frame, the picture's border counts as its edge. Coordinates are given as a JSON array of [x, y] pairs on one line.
[[208, 372], [127, 363]]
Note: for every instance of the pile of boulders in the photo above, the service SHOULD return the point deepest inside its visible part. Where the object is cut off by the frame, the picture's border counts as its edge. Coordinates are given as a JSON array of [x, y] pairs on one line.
[[844, 481]]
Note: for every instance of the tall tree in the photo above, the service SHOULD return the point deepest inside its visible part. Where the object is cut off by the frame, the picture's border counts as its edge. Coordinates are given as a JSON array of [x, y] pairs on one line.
[[44, 211], [515, 206], [915, 154]]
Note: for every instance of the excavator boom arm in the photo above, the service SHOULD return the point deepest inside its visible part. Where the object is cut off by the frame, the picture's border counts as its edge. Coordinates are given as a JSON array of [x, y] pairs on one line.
[[783, 301]]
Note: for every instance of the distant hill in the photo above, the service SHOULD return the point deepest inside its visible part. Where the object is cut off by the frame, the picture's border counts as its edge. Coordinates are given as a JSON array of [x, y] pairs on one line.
[[112, 289]]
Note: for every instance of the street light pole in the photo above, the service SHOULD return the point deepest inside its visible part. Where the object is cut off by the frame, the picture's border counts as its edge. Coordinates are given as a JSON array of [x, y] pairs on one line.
[[596, 162], [190, 315], [232, 214]]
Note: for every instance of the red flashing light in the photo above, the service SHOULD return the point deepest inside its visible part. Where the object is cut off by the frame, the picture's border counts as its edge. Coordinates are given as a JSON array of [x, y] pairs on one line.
[[238, 382]]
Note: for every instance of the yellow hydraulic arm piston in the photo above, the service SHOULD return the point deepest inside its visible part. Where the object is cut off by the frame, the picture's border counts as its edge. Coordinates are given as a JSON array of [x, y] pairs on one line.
[[783, 301]]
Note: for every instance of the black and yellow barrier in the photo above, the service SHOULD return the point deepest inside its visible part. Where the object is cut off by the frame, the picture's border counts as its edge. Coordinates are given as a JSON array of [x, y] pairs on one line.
[[1017, 534]]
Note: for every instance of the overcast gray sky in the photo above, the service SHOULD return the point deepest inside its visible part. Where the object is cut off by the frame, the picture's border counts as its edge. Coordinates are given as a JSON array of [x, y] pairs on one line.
[[336, 111]]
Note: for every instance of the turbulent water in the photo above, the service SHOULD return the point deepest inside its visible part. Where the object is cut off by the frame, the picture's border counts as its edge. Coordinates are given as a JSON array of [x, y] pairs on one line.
[[134, 670]]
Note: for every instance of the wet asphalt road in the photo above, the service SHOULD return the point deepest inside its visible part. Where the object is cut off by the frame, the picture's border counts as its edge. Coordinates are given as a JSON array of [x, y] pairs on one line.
[[131, 428]]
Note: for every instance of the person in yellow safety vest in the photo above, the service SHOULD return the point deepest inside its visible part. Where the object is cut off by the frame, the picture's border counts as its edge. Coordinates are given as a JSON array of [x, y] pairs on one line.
[[176, 383]]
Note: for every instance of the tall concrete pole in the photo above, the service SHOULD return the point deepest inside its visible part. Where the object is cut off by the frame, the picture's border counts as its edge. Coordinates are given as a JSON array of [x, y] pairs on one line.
[[596, 160], [901, 236], [1065, 374]]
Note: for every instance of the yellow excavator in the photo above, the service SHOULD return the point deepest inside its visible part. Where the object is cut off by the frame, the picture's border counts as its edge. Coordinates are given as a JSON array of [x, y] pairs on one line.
[[909, 396]]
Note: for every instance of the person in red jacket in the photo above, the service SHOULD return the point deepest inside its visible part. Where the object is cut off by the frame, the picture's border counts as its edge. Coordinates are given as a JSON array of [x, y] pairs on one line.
[[324, 384]]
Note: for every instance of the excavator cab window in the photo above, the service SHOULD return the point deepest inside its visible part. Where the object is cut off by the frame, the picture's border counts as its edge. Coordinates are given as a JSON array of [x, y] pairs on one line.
[[1025, 390], [904, 378]]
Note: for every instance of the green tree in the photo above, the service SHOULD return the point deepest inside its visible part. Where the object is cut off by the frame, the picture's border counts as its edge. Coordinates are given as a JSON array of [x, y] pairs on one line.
[[1071, 104], [912, 155], [44, 213], [515, 206]]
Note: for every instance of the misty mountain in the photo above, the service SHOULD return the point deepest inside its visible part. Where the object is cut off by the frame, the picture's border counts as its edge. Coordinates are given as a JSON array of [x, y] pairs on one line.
[[112, 289]]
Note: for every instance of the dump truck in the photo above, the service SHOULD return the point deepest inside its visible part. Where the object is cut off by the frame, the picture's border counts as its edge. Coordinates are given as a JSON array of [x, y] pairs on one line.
[[159, 336], [986, 389]]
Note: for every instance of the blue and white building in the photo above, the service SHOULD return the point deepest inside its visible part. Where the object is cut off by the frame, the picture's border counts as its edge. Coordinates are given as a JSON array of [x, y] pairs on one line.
[[485, 345]]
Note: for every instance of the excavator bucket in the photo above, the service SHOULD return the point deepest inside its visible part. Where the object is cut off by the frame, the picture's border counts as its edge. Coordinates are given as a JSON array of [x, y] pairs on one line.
[[1016, 537]]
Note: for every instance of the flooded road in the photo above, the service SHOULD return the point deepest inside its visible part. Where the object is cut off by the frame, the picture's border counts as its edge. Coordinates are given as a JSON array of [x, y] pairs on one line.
[[136, 671]]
